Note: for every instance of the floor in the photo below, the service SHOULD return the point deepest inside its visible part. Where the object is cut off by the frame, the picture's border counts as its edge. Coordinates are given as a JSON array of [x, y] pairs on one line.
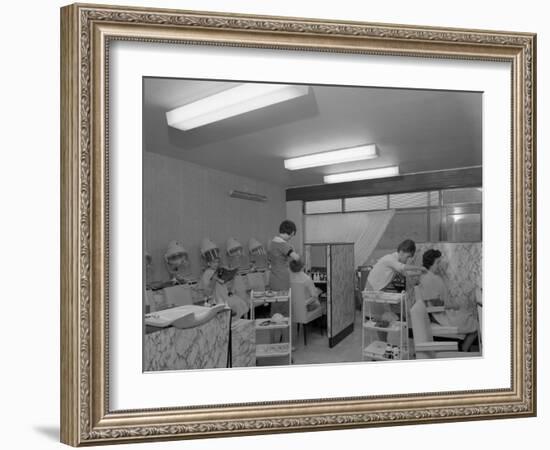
[[317, 350]]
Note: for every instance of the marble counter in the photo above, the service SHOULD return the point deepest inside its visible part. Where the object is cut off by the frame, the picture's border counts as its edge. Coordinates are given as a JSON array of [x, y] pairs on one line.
[[243, 343], [202, 347]]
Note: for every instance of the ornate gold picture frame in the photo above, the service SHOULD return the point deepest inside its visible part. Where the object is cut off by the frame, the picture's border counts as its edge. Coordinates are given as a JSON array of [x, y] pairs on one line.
[[86, 34]]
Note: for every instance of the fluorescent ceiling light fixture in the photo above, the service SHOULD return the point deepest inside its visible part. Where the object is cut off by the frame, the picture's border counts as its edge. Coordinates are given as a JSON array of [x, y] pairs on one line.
[[231, 102], [332, 157], [382, 172], [247, 196]]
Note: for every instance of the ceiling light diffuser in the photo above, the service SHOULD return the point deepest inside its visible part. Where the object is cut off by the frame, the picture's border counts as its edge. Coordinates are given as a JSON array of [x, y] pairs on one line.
[[247, 196], [230, 103], [382, 172], [343, 155]]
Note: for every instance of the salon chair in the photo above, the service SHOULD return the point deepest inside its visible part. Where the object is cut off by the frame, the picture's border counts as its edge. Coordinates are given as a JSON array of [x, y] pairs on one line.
[[155, 301], [178, 295], [436, 329], [256, 281], [424, 345], [300, 314], [479, 316]]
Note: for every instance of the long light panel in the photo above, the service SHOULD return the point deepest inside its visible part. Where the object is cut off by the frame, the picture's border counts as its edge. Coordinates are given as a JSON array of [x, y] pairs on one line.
[[343, 155], [382, 172], [230, 103]]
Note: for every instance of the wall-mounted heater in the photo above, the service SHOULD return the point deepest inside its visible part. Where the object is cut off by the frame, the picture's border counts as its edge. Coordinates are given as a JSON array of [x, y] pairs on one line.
[[247, 196]]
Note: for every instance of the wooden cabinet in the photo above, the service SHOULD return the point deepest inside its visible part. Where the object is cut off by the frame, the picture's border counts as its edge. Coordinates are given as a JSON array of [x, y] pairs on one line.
[[331, 266]]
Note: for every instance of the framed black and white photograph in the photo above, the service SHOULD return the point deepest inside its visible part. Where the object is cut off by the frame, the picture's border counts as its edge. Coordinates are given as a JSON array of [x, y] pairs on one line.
[[349, 214], [278, 225]]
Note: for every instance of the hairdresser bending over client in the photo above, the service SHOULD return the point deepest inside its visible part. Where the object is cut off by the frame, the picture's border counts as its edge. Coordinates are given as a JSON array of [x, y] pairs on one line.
[[387, 267]]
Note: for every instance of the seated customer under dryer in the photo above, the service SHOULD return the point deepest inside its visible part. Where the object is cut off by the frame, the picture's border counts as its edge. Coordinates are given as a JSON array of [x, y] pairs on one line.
[[298, 276], [215, 286], [176, 260]]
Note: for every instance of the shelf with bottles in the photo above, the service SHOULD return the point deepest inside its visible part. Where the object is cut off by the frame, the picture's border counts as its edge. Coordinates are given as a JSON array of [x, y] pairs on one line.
[[319, 276], [273, 350], [277, 323], [271, 324], [385, 326], [381, 351]]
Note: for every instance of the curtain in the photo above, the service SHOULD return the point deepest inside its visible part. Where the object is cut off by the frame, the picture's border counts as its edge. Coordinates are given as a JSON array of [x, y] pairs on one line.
[[364, 229]]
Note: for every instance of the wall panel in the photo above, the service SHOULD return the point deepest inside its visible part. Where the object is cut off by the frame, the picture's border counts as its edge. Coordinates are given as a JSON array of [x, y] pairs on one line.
[[188, 202]]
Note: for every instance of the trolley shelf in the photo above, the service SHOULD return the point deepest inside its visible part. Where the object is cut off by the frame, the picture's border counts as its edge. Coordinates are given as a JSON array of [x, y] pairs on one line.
[[280, 349], [267, 324], [272, 350], [376, 357], [381, 300], [394, 328], [274, 299]]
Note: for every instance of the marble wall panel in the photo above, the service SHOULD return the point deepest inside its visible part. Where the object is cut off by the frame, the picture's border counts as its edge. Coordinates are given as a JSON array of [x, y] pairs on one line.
[[243, 343], [462, 264]]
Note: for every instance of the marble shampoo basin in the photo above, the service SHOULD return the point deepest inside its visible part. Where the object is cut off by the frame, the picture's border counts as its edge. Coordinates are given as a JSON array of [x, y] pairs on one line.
[[186, 316]]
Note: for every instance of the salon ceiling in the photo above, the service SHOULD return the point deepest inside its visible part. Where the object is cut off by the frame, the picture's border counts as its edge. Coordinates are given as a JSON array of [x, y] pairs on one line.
[[415, 129]]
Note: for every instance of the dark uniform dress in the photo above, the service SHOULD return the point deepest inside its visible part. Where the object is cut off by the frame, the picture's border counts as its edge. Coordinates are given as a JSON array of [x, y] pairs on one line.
[[278, 255]]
